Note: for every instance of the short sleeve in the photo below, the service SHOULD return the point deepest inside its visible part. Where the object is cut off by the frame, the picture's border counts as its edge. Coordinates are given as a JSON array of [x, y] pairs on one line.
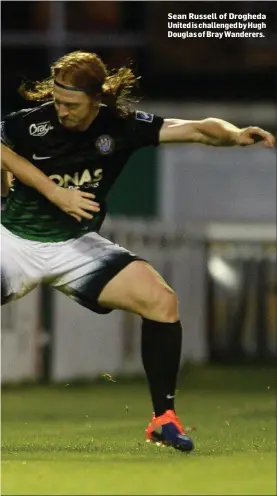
[[5, 140], [144, 129], [9, 130], [12, 128]]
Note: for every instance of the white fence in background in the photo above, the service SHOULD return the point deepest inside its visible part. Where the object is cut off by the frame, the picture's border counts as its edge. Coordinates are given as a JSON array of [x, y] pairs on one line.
[[19, 339], [85, 344]]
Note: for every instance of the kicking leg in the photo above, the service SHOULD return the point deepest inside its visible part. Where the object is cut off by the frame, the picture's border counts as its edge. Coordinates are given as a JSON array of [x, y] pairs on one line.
[[140, 289], [102, 276]]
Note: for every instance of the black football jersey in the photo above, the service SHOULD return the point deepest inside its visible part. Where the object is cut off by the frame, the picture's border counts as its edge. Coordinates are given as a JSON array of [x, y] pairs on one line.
[[89, 160]]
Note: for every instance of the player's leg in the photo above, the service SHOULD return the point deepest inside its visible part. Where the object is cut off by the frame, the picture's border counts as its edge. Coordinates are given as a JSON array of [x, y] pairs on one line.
[[102, 276], [140, 289], [21, 268]]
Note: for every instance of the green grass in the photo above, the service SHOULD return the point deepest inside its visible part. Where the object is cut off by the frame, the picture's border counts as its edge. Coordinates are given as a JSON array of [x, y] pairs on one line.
[[82, 440]]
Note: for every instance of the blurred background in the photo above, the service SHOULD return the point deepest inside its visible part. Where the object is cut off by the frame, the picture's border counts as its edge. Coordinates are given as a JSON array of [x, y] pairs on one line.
[[204, 217]]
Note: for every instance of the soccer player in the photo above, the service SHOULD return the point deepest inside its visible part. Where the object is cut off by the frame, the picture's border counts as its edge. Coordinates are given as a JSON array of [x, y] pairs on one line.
[[81, 135]]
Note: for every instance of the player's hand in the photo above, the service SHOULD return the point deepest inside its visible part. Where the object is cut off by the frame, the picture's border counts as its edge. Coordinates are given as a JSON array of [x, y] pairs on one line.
[[251, 135], [76, 203]]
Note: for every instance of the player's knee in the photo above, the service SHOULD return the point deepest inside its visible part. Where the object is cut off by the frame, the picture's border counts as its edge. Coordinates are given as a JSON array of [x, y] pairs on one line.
[[163, 307], [168, 306]]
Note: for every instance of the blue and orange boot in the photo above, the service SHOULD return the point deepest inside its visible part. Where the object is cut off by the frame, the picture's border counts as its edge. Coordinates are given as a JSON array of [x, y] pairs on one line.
[[167, 430]]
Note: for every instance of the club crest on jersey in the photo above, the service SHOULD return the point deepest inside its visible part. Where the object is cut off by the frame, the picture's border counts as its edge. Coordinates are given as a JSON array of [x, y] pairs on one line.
[[105, 144], [144, 116], [40, 129]]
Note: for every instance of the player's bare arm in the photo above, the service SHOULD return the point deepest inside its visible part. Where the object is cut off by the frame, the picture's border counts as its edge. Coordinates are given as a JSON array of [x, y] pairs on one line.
[[6, 180], [74, 202], [212, 131]]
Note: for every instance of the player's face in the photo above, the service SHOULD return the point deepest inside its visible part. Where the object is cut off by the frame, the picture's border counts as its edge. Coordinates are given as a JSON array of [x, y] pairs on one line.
[[75, 109]]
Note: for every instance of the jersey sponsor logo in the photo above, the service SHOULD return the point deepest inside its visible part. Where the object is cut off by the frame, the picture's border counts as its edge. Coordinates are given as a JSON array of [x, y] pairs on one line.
[[79, 179], [105, 144], [144, 116], [40, 129]]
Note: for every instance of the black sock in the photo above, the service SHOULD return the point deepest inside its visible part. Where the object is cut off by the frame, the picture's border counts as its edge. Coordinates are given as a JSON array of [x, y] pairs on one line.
[[161, 352]]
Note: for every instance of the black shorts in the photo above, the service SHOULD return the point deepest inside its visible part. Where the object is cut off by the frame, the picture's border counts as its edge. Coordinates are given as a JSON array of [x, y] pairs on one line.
[[87, 288]]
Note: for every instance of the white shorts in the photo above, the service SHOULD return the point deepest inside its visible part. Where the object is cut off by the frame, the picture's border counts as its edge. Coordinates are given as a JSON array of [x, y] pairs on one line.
[[80, 268]]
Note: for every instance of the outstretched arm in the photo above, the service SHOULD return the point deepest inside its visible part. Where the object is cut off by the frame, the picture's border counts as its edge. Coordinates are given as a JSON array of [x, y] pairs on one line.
[[211, 131], [73, 202]]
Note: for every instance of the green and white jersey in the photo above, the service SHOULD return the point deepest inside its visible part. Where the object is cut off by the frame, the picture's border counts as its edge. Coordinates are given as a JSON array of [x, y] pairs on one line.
[[89, 160]]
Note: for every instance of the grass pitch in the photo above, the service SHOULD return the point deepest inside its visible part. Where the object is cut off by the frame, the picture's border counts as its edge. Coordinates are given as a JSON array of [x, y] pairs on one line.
[[69, 440]]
